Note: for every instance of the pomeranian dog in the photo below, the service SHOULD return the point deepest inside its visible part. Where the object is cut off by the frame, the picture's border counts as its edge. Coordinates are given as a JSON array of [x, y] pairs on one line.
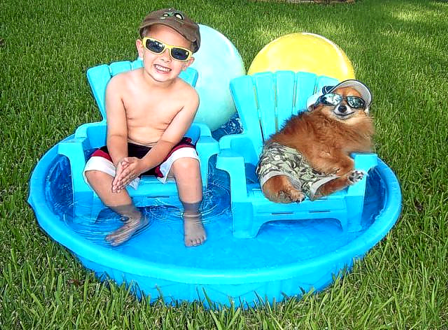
[[309, 156]]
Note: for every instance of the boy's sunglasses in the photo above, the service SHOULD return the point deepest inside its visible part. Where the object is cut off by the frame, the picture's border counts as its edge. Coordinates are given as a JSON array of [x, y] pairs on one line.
[[157, 47], [334, 99]]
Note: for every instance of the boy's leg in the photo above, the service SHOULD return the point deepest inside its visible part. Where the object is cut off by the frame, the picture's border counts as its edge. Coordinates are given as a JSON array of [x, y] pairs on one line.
[[187, 174], [120, 202]]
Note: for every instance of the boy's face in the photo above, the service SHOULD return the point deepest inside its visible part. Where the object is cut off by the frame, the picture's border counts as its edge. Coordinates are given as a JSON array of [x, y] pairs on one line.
[[162, 67]]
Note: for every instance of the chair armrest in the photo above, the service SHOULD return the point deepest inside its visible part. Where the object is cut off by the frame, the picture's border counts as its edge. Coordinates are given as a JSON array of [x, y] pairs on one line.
[[95, 133], [198, 130], [242, 145], [73, 148], [363, 162], [206, 147], [233, 163], [205, 130], [87, 137]]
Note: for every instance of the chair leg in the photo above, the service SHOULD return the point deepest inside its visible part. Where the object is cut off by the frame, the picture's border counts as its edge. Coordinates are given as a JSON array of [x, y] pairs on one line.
[[87, 208], [355, 206], [244, 225], [97, 207], [344, 221]]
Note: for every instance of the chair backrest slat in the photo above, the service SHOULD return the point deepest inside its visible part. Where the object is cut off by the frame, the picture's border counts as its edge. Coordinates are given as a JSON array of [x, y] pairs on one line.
[[305, 87], [119, 67], [285, 97], [99, 76], [266, 97], [243, 92], [325, 81]]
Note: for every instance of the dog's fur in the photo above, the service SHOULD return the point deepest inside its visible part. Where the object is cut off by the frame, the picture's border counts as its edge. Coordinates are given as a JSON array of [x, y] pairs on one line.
[[325, 137]]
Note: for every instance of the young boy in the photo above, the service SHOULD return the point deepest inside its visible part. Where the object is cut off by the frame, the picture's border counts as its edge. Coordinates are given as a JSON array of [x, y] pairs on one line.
[[148, 112]]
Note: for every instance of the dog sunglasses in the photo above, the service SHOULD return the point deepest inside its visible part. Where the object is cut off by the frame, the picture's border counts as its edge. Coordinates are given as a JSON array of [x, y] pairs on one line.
[[157, 47], [334, 99]]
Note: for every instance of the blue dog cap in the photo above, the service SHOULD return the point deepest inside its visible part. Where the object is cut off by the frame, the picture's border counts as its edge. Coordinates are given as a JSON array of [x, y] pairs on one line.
[[356, 84]]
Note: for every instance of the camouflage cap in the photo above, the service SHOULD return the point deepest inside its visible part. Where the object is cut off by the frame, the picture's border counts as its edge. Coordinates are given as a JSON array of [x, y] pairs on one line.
[[178, 21]]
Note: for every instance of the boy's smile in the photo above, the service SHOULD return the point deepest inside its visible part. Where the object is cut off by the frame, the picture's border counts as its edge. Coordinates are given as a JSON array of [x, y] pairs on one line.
[[162, 68]]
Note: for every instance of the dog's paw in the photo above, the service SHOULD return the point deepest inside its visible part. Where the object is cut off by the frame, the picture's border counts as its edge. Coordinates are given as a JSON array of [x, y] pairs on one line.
[[355, 176], [289, 196], [296, 195], [279, 189]]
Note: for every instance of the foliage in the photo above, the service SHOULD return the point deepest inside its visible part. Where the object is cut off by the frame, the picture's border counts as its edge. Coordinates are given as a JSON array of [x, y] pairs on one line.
[[398, 49]]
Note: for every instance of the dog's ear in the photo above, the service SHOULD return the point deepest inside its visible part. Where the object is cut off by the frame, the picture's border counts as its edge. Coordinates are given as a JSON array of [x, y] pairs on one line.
[[311, 102], [316, 107]]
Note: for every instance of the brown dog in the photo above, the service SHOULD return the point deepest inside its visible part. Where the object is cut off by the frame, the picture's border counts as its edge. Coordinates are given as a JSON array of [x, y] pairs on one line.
[[337, 124]]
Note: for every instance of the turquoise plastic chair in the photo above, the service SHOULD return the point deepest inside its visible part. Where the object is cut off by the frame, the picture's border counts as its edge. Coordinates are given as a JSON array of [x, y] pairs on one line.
[[78, 147], [264, 101]]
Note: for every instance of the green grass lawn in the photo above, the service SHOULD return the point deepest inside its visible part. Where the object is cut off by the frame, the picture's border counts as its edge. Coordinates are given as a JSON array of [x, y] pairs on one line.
[[398, 48]]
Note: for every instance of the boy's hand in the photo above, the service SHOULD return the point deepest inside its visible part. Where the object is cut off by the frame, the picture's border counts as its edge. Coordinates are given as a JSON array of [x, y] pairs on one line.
[[128, 169]]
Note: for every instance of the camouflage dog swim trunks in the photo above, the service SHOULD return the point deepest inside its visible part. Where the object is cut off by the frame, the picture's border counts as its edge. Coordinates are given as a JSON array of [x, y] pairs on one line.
[[277, 159]]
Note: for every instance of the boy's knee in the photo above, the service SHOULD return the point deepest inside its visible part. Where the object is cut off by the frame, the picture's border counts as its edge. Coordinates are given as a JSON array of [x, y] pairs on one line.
[[94, 176], [186, 165]]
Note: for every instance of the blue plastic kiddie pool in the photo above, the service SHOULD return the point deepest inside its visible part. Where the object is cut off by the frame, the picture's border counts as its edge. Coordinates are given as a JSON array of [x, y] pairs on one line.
[[285, 259]]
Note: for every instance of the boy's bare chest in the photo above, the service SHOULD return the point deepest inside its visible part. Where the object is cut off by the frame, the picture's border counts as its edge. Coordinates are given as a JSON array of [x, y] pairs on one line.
[[155, 112]]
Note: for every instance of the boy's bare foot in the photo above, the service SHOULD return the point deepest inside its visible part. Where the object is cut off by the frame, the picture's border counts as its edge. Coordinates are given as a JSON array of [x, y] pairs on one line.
[[194, 232], [125, 232]]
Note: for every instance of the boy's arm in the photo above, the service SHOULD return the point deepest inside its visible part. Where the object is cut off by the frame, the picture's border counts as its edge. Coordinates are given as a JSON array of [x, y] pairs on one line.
[[173, 134], [116, 122]]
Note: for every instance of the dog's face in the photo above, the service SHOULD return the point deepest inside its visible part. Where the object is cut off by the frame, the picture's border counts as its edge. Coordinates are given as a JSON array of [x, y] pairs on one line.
[[343, 104]]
